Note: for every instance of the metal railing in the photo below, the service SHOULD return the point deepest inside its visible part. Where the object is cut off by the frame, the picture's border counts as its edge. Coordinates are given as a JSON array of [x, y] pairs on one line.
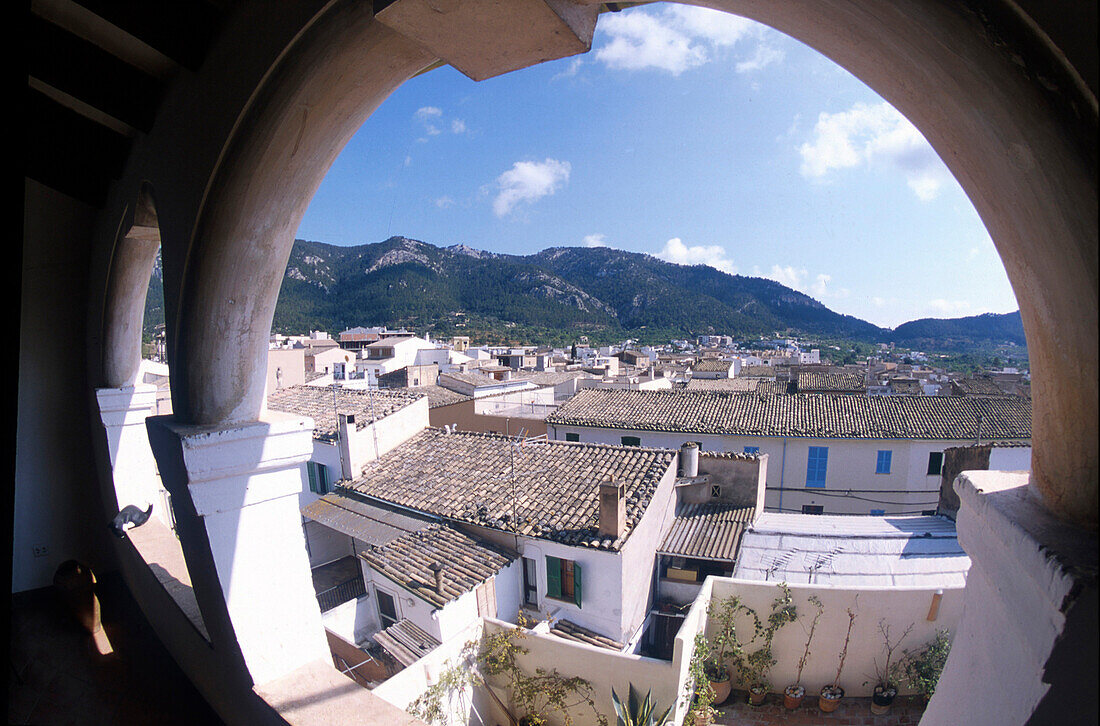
[[349, 590]]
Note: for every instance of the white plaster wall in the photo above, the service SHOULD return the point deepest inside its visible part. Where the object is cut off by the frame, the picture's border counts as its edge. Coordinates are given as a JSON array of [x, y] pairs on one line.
[[602, 668], [327, 455], [639, 557], [899, 606], [851, 466], [374, 440], [325, 544], [1010, 458], [407, 605], [354, 621], [509, 589]]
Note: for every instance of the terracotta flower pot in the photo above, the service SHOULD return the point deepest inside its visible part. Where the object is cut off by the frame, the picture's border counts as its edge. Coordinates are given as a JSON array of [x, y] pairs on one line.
[[721, 690], [757, 694], [792, 697], [830, 698]]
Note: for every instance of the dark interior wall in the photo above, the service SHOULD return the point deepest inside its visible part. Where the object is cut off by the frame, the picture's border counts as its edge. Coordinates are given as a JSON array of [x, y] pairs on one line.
[[55, 472]]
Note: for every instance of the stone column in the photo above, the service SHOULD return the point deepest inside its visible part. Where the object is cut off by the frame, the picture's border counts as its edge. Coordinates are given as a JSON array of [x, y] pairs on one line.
[[240, 484], [123, 412], [1025, 650]]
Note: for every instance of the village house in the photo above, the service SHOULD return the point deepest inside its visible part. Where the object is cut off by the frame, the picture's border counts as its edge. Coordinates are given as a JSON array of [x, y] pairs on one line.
[[830, 453], [716, 368]]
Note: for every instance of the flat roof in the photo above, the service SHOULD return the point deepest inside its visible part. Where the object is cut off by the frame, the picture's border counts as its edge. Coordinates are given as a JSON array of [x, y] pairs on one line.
[[853, 551]]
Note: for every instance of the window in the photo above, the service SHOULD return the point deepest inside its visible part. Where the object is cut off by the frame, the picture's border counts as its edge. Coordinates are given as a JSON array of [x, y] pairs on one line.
[[816, 466], [631, 441], [882, 465], [935, 463], [572, 437], [812, 508], [387, 608], [563, 580], [878, 512], [752, 449], [318, 477], [530, 591]]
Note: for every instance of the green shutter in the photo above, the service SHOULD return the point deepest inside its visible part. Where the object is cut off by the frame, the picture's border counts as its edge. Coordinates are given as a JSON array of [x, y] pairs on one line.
[[312, 477], [322, 479], [577, 583], [553, 576]]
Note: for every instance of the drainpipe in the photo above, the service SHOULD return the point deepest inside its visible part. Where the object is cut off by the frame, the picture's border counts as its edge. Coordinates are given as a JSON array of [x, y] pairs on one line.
[[782, 470]]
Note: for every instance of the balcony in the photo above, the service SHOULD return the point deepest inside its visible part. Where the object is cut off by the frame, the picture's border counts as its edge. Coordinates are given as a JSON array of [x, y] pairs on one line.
[[337, 583]]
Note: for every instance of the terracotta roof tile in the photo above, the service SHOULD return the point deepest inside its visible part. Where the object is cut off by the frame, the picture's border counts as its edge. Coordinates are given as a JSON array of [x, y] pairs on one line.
[[317, 403], [804, 414], [466, 477], [839, 382], [467, 562]]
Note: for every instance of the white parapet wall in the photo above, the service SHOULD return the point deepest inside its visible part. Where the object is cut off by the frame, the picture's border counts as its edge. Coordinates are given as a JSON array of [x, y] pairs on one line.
[[896, 607]]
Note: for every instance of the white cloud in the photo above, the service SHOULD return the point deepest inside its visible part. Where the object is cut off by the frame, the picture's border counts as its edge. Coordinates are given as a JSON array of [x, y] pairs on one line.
[[678, 38], [799, 279], [444, 202], [425, 113], [570, 70], [458, 126], [950, 308], [714, 255], [874, 136], [529, 181], [595, 240]]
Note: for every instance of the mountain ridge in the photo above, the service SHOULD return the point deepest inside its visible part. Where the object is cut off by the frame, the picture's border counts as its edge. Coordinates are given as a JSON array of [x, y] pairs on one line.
[[404, 281]]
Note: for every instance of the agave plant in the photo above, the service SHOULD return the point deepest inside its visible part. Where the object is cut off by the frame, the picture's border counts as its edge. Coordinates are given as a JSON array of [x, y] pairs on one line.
[[637, 711]]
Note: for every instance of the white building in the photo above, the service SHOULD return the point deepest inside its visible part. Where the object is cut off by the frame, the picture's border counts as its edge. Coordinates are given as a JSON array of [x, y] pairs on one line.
[[828, 453]]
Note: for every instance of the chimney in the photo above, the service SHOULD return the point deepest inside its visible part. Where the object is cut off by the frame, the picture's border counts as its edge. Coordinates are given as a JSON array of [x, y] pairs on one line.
[[346, 430], [437, 570], [689, 459], [612, 510]]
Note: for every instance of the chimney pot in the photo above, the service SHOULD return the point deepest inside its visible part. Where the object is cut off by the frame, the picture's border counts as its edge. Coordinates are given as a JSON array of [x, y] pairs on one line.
[[437, 570], [689, 459]]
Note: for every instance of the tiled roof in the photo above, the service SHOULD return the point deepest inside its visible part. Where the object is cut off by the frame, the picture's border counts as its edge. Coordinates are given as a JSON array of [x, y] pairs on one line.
[[467, 562], [467, 477], [814, 381], [314, 375], [551, 378], [724, 384], [317, 403], [476, 379], [909, 386], [757, 371], [364, 521], [712, 365], [571, 631], [977, 387], [406, 642], [437, 395], [709, 531], [804, 414]]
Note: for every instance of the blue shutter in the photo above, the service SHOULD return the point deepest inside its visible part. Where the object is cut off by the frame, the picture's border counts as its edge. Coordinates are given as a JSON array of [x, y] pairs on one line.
[[577, 584], [882, 466], [553, 576], [816, 466]]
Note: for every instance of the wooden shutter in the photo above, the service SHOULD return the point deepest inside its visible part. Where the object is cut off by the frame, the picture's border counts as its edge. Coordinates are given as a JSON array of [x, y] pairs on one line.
[[312, 477], [577, 583], [553, 576], [482, 601]]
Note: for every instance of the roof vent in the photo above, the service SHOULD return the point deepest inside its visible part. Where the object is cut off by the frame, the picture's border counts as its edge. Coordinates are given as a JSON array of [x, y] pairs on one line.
[[612, 510], [437, 570]]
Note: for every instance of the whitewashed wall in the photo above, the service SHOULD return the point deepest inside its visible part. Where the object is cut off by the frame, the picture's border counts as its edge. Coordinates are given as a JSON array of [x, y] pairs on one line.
[[639, 557], [899, 606], [325, 544], [373, 440], [1010, 458], [354, 620], [851, 466]]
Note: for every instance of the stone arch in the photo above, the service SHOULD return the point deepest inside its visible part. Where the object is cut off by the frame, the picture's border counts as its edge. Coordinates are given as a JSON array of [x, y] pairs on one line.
[[131, 264], [1001, 132]]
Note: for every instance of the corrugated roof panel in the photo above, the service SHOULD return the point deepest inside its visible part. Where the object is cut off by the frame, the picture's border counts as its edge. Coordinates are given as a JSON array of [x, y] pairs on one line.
[[367, 522], [707, 531]]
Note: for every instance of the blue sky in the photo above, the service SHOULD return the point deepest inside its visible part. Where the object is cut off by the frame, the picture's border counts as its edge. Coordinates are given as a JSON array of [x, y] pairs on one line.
[[687, 134]]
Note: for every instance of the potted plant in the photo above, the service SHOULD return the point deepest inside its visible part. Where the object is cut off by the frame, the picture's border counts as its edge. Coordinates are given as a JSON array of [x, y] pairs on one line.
[[699, 689], [793, 694], [755, 665], [831, 693], [887, 673], [725, 647], [923, 667]]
